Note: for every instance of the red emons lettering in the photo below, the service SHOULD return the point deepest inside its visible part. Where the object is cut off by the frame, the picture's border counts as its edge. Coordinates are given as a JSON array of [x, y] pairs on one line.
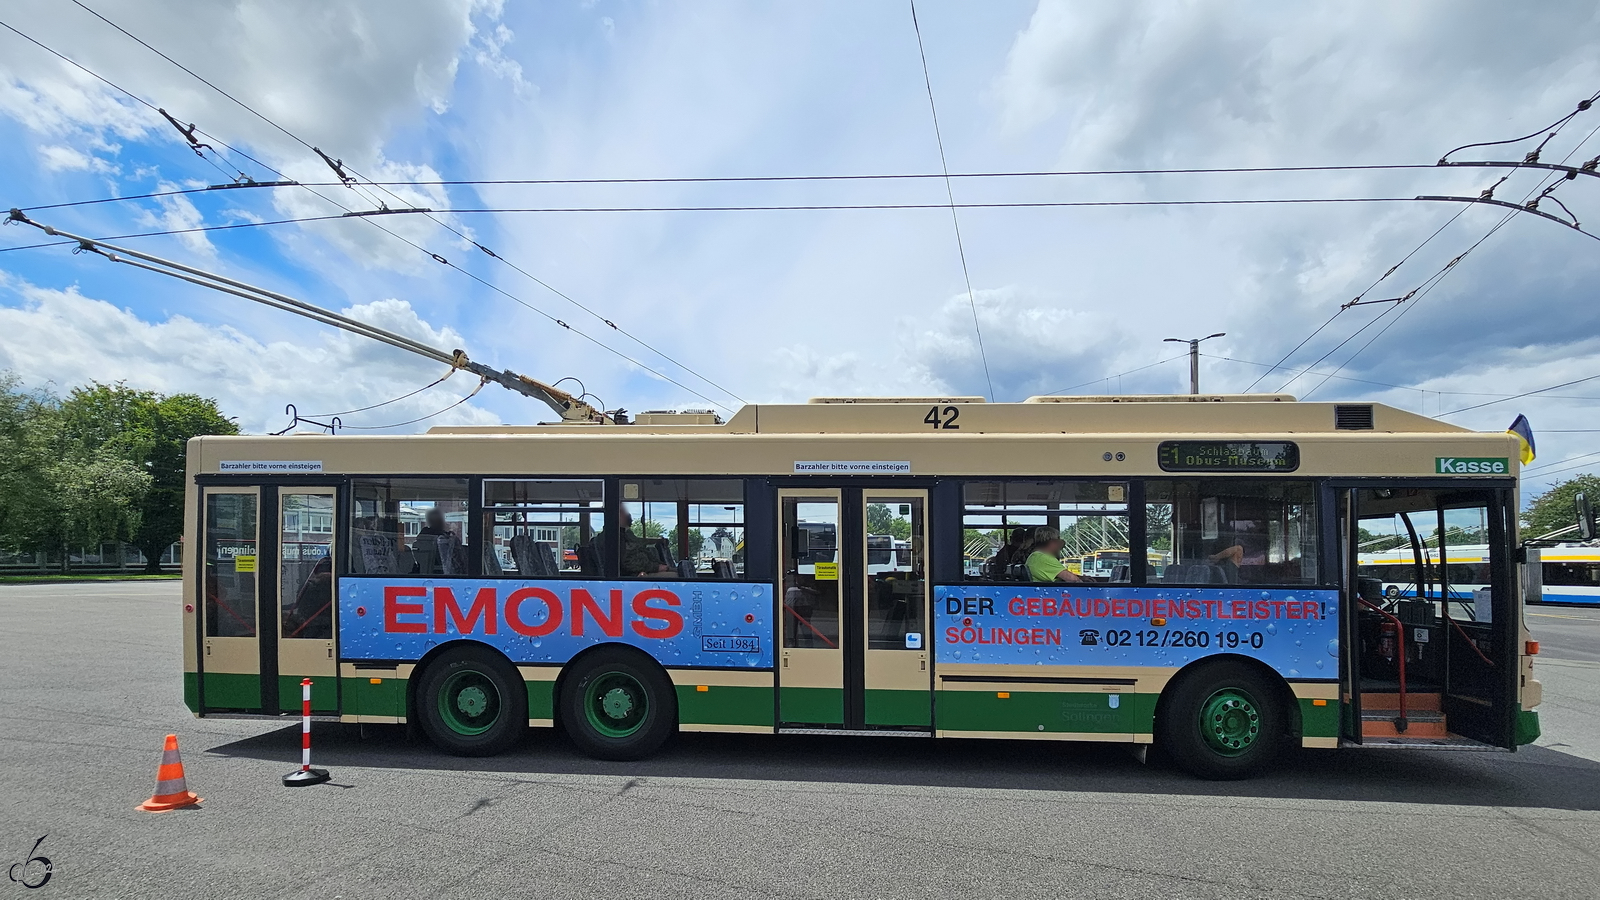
[[531, 612]]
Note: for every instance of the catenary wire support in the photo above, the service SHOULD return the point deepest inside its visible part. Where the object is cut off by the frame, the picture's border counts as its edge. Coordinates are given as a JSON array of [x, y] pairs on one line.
[[188, 134], [1529, 207], [337, 165]]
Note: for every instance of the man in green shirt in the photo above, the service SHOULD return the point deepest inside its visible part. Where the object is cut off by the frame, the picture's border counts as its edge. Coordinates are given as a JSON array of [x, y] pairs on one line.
[[1044, 563]]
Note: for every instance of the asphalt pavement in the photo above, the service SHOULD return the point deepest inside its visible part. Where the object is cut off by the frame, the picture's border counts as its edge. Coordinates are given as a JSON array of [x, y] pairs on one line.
[[90, 682]]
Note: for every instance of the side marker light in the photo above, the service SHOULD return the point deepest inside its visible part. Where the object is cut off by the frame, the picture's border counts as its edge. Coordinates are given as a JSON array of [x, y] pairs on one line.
[[1319, 703], [703, 688], [1003, 695], [1531, 648]]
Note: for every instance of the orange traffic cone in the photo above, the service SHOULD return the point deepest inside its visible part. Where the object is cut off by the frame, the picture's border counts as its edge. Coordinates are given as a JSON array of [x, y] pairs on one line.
[[171, 790]]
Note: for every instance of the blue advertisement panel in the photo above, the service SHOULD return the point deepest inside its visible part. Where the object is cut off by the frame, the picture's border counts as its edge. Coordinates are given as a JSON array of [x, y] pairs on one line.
[[1295, 632], [680, 623]]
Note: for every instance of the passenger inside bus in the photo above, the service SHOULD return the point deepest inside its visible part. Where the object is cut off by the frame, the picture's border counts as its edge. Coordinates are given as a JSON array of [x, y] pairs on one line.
[[640, 558], [1044, 563], [1016, 550]]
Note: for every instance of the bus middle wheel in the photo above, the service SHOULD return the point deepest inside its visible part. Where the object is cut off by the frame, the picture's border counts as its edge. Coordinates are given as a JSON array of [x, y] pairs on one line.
[[471, 702]]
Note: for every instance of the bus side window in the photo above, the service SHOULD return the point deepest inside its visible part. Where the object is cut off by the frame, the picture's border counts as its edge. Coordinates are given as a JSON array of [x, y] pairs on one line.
[[409, 526]]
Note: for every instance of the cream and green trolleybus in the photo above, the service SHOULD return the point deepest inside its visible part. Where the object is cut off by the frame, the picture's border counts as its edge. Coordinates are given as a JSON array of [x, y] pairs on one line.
[[623, 582]]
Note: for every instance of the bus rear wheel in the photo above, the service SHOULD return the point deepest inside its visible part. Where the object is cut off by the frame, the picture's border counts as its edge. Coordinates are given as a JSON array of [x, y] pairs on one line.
[[471, 702], [1222, 722], [618, 705]]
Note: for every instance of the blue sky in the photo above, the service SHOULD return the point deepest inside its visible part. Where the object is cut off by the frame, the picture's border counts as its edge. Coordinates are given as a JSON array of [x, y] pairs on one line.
[[782, 305]]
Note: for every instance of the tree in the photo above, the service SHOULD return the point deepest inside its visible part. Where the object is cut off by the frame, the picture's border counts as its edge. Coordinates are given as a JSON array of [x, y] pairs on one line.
[[1554, 510], [882, 520], [152, 432], [58, 492]]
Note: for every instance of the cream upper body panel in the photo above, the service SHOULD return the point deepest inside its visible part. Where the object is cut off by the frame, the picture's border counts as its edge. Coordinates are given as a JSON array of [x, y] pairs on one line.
[[1031, 438]]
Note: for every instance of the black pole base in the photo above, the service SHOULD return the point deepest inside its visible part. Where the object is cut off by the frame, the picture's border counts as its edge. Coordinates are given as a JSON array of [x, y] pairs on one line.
[[303, 777]]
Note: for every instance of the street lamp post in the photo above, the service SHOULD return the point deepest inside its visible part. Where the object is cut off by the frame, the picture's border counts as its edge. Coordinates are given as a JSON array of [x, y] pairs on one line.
[[1194, 357]]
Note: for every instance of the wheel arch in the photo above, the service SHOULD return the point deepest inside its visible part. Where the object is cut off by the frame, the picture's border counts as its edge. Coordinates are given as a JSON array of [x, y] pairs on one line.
[[1280, 686]]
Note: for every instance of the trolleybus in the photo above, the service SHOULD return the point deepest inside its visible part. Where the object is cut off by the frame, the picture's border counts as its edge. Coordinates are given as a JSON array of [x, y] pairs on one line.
[[481, 582]]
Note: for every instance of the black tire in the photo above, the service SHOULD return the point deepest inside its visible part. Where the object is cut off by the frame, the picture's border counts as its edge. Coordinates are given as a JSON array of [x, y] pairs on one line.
[[472, 702], [1223, 721], [617, 704]]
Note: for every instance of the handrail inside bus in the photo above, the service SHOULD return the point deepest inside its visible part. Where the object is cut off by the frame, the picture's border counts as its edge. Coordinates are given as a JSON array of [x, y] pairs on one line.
[[802, 620], [1400, 723]]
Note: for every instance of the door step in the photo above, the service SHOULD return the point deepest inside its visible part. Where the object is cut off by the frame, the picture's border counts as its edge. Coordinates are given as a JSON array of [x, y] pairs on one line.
[[1451, 742], [1424, 718], [1419, 724]]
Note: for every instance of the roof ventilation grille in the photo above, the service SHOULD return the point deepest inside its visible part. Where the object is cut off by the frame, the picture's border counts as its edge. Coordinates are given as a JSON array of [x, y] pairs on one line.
[[1352, 418]]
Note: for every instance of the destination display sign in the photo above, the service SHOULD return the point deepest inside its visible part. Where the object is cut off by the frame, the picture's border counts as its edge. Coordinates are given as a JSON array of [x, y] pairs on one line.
[[1228, 456]]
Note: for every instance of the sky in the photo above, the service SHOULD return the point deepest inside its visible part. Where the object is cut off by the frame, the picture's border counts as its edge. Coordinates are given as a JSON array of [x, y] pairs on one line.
[[719, 308]]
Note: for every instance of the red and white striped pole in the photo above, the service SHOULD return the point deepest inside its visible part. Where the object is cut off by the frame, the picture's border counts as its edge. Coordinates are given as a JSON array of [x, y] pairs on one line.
[[305, 774]]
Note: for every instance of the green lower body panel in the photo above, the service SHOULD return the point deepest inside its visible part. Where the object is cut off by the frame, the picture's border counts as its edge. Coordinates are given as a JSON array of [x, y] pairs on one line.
[[1319, 721], [541, 699], [363, 698], [899, 708], [1045, 712], [191, 691], [725, 705], [324, 693], [811, 706], [226, 690], [1527, 726]]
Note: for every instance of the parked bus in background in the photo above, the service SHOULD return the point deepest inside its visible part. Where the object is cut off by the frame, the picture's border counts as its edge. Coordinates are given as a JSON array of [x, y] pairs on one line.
[[627, 582]]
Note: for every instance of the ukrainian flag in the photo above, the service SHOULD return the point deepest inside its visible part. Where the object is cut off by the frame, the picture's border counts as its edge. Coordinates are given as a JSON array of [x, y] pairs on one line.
[[1524, 435]]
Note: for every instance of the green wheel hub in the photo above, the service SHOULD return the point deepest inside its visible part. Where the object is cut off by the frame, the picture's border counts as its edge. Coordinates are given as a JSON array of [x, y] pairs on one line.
[[616, 704], [1230, 721], [469, 703]]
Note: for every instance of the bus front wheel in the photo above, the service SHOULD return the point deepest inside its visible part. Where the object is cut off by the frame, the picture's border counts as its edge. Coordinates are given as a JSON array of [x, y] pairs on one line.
[[1223, 721], [472, 702], [618, 705]]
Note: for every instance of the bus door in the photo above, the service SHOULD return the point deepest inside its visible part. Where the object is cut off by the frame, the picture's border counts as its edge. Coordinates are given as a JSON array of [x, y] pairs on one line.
[[1431, 612], [230, 658], [305, 611], [854, 606]]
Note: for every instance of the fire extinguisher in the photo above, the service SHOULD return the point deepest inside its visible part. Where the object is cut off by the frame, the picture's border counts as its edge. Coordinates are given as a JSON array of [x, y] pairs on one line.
[[1388, 640]]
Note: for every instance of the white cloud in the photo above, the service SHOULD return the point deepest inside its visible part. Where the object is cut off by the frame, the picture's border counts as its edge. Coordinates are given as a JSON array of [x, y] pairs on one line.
[[327, 371]]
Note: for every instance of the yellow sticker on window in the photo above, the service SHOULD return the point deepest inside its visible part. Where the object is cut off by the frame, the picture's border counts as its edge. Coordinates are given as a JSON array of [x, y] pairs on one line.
[[827, 571], [244, 563]]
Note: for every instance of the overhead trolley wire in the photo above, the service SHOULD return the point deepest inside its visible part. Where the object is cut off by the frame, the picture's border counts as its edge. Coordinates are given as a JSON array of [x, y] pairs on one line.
[[437, 381], [955, 220], [349, 212], [355, 178], [1426, 286], [1118, 375], [474, 393], [1543, 189]]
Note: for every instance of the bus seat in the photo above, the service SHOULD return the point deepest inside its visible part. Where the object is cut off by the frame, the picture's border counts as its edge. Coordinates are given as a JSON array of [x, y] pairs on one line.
[[722, 568], [589, 559], [1119, 572]]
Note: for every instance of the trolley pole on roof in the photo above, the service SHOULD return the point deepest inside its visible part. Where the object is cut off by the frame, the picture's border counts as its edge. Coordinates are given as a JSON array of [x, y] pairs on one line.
[[569, 407], [1194, 357]]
